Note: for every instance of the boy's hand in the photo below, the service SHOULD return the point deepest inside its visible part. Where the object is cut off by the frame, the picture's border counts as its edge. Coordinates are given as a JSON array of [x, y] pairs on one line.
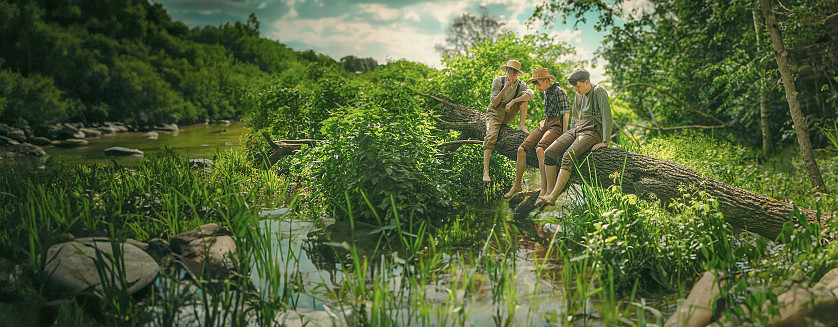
[[598, 145], [523, 128]]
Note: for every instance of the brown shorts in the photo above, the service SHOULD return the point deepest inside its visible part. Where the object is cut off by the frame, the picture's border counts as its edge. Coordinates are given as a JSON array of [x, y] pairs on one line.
[[574, 143], [494, 118], [544, 135]]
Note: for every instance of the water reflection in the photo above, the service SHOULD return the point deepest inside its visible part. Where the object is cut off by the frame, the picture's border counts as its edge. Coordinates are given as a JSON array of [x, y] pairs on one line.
[[197, 141], [484, 283]]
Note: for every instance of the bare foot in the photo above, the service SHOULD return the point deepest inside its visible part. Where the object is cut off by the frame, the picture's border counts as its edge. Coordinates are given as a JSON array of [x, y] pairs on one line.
[[514, 190], [486, 177], [545, 200]]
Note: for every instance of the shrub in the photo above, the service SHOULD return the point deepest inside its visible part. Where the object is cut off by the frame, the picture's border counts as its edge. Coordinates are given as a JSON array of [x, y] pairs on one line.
[[375, 156]]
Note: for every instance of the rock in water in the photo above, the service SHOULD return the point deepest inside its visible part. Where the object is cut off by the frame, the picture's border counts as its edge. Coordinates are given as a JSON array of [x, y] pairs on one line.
[[120, 151], [72, 143], [72, 266]]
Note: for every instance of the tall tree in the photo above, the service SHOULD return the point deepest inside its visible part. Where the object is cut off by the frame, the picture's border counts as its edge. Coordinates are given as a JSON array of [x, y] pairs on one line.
[[764, 120], [468, 30], [800, 125]]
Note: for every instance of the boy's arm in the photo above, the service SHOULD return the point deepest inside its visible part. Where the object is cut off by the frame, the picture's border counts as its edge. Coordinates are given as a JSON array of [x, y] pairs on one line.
[[565, 120], [607, 122], [521, 126], [497, 91]]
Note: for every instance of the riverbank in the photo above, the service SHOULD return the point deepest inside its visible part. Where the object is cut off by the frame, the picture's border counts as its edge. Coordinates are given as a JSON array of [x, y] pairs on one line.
[[192, 141]]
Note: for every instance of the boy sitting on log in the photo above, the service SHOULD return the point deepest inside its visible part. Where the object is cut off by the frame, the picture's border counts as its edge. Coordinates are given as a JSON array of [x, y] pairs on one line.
[[592, 130], [556, 116], [509, 95]]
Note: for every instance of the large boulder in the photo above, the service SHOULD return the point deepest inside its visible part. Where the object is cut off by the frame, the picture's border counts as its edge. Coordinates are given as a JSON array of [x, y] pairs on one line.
[[207, 252], [73, 267], [120, 151], [12, 133]]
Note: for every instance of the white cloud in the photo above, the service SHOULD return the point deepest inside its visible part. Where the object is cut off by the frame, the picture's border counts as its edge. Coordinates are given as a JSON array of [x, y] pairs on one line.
[[361, 39], [637, 7], [292, 12], [412, 16], [443, 12], [262, 5], [380, 12], [567, 35]]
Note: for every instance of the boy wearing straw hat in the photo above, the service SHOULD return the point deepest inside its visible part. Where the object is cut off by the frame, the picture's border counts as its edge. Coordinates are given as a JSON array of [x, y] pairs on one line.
[[556, 116], [509, 95], [592, 130]]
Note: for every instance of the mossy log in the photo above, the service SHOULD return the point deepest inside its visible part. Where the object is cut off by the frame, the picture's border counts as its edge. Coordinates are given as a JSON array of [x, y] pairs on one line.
[[648, 177]]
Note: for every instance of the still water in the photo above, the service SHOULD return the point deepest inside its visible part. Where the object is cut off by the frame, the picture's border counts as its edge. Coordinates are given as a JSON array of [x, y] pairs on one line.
[[197, 141]]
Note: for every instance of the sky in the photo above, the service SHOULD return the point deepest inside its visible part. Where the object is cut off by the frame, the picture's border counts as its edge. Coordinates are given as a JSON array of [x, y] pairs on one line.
[[385, 30]]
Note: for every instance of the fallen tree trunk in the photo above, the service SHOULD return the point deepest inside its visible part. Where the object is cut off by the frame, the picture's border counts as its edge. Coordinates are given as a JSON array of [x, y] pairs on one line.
[[648, 177]]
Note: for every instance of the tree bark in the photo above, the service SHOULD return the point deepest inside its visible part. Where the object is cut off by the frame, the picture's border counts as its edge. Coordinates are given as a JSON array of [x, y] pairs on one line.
[[764, 122], [648, 177], [800, 125]]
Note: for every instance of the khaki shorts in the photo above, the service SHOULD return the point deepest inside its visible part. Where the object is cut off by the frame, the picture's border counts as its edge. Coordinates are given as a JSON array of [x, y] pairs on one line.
[[494, 118], [544, 135]]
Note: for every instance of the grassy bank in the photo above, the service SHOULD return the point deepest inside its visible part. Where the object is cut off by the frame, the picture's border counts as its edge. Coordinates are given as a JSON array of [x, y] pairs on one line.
[[612, 258]]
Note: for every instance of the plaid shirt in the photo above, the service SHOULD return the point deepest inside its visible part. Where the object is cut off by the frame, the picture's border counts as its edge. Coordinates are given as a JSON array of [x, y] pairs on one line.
[[556, 101]]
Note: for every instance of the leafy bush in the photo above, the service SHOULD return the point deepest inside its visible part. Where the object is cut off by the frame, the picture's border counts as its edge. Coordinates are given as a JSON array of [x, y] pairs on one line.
[[375, 156], [640, 241]]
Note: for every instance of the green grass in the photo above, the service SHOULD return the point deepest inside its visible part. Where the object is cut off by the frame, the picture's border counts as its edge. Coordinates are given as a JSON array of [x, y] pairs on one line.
[[614, 255]]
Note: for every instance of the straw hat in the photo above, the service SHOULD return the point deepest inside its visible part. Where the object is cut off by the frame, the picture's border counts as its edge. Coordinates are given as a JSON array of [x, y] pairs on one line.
[[512, 64], [539, 74]]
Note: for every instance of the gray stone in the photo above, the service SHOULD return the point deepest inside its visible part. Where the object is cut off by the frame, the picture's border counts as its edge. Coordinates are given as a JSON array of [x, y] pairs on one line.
[[40, 140], [180, 241], [72, 143], [107, 129], [70, 132], [120, 151], [12, 133], [90, 132], [200, 163], [72, 266], [206, 252], [5, 141], [210, 257], [152, 135], [29, 150], [167, 127]]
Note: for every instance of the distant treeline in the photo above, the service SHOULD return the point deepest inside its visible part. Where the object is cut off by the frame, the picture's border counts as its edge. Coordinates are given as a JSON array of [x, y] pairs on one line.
[[127, 61]]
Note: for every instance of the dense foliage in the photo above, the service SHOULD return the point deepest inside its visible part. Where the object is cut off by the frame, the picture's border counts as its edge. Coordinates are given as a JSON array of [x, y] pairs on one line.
[[128, 61], [706, 54]]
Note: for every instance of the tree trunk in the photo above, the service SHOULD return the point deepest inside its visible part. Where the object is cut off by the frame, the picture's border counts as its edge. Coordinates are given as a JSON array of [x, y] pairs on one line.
[[764, 122], [800, 126], [645, 176]]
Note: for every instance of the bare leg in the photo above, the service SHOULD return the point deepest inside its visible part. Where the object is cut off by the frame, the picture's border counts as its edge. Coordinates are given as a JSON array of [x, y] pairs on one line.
[[550, 174], [564, 175], [487, 153], [520, 166], [539, 151]]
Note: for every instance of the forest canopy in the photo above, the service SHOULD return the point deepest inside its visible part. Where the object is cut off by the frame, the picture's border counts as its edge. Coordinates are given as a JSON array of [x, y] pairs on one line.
[[127, 61]]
